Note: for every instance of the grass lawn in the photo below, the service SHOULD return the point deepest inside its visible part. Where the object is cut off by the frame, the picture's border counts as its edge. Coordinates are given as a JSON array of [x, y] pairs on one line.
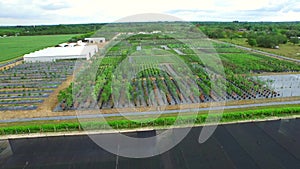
[[14, 47], [288, 50]]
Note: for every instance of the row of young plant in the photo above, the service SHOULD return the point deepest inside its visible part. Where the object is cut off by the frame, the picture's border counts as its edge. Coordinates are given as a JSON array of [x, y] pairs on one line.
[[256, 63], [10, 62], [26, 92], [89, 86], [245, 87], [40, 67], [31, 83], [163, 87], [160, 122], [237, 86], [236, 59], [137, 91]]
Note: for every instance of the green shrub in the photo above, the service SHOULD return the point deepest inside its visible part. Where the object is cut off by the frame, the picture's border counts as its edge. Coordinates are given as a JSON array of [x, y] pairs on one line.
[[162, 121]]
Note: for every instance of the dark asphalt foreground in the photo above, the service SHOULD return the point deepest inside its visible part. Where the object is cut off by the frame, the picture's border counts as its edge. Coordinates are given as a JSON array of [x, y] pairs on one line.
[[264, 145]]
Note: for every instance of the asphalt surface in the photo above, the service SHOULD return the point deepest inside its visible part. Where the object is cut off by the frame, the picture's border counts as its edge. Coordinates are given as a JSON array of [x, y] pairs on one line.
[[262, 145]]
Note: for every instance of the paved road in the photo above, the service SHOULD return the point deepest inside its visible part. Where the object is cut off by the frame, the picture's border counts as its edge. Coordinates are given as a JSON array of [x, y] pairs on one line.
[[147, 113], [260, 52]]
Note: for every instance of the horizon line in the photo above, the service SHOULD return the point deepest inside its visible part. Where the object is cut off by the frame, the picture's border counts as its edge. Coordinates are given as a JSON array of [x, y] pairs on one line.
[[89, 23]]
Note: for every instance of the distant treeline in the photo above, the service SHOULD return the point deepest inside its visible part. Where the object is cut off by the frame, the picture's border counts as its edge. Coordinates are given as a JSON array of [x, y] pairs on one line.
[[48, 29], [262, 34], [222, 29], [212, 29]]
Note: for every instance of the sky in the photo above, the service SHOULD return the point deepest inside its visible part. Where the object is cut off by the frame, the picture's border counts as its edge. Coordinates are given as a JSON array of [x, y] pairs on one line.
[[40, 12]]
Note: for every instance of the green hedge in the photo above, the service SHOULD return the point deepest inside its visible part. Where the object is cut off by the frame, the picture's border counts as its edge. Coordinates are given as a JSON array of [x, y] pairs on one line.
[[162, 121]]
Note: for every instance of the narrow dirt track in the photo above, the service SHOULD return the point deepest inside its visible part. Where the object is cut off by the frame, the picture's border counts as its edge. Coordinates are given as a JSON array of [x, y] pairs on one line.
[[97, 114], [10, 65], [51, 102], [46, 113]]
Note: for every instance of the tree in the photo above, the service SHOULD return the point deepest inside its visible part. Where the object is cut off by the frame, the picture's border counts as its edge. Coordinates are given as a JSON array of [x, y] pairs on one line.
[[252, 42], [291, 33], [267, 41], [282, 39], [294, 40]]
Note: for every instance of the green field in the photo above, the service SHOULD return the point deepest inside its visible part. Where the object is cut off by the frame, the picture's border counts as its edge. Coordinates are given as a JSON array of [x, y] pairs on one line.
[[14, 47], [288, 50]]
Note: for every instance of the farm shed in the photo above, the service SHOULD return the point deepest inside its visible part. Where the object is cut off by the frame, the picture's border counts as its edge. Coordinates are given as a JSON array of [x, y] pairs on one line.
[[95, 40], [59, 53]]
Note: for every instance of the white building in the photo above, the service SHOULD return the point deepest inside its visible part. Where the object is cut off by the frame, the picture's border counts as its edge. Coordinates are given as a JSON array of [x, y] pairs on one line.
[[59, 53], [95, 40]]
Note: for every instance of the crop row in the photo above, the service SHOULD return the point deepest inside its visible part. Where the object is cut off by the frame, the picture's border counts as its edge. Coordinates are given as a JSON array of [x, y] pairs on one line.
[[169, 79], [31, 83]]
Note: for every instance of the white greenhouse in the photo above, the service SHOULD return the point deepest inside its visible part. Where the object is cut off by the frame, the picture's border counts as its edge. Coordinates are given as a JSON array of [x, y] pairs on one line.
[[59, 53], [95, 40]]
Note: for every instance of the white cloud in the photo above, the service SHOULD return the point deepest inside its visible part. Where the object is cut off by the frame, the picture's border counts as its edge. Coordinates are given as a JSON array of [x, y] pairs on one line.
[[79, 11], [54, 5]]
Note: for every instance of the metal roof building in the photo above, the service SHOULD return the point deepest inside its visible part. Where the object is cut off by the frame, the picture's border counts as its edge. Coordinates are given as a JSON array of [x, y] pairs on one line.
[[60, 53], [95, 40]]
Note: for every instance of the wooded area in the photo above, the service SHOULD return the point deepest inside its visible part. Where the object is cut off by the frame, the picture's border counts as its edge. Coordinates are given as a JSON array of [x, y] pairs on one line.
[[261, 34]]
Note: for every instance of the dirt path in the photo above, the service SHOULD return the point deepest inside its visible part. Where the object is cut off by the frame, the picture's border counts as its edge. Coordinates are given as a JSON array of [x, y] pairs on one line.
[[11, 65], [46, 112], [144, 115], [51, 102]]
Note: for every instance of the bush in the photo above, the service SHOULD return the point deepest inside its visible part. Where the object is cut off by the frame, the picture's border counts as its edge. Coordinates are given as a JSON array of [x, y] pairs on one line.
[[270, 41]]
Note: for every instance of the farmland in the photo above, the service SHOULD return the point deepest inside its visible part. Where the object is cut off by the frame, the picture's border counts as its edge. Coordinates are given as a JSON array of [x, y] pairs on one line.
[[139, 72], [25, 86], [287, 50], [14, 47], [161, 79]]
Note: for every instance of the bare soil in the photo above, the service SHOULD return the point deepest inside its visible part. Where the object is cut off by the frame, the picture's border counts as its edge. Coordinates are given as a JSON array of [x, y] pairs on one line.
[[11, 65], [49, 103], [45, 110]]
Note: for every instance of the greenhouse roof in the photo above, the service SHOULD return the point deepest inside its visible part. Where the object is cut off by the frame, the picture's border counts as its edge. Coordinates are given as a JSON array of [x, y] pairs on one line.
[[61, 51]]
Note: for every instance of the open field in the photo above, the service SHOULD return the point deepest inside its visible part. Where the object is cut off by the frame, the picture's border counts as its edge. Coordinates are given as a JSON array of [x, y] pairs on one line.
[[164, 81], [159, 72], [288, 50], [14, 47], [151, 87]]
